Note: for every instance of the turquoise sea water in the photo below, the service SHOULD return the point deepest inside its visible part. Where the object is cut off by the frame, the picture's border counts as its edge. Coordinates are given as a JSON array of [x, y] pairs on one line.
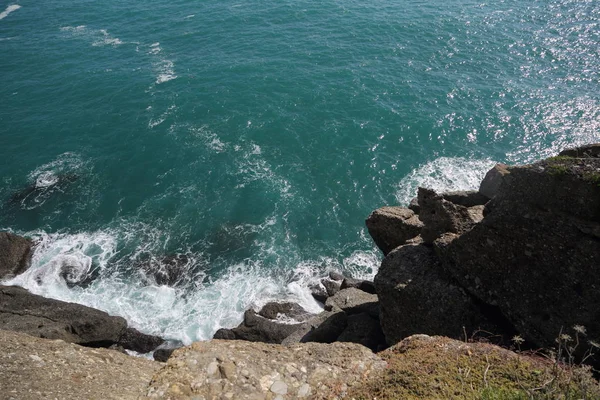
[[254, 137]]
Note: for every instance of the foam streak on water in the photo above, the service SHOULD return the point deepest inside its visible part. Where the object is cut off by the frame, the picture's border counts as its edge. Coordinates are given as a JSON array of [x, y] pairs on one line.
[[9, 9]]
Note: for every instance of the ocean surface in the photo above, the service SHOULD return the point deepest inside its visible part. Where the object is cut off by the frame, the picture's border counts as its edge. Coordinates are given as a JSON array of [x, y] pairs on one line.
[[241, 144]]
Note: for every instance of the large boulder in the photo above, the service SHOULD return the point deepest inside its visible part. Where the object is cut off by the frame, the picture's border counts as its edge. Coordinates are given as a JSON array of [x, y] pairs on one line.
[[363, 329], [352, 301], [588, 151], [324, 327], [38, 316], [32, 368], [391, 227], [241, 370], [255, 328], [440, 216], [15, 255], [536, 255], [416, 296], [284, 311], [490, 185]]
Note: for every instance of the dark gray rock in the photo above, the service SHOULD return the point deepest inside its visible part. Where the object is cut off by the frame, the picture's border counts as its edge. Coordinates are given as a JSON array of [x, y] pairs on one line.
[[162, 355], [291, 310], [318, 292], [536, 255], [365, 286], [132, 339], [328, 330], [363, 329], [466, 198], [256, 328], [336, 276], [440, 216], [15, 255], [391, 227], [22, 311], [331, 286], [490, 185], [352, 301], [414, 205], [589, 151], [225, 334], [416, 297], [171, 270]]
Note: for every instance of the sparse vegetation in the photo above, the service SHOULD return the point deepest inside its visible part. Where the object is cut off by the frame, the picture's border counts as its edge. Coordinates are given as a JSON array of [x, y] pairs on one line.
[[447, 369]]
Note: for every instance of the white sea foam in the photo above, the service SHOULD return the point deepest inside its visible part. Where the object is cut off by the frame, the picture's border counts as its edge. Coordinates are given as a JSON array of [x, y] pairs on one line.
[[443, 174], [187, 313], [9, 9], [165, 68], [98, 37]]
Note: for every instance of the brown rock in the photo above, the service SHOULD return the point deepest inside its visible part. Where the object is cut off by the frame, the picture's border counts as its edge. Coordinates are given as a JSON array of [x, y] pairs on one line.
[[15, 255]]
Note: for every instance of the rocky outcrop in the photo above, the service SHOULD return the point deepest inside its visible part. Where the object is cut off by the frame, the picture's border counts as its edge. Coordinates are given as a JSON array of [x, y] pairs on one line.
[[242, 370], [285, 310], [490, 185], [391, 227], [352, 301], [33, 368], [440, 215], [416, 296], [38, 316], [15, 255], [536, 255], [255, 328], [425, 367], [532, 264]]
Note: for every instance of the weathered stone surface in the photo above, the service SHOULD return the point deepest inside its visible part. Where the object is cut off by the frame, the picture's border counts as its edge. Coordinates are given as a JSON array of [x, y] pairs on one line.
[[466, 198], [336, 276], [241, 370], [132, 339], [414, 205], [589, 151], [287, 310], [365, 286], [363, 329], [536, 255], [334, 326], [352, 301], [416, 297], [256, 328], [391, 227], [490, 185], [331, 286], [318, 292], [33, 368], [15, 255], [38, 316], [328, 330], [163, 355], [440, 216]]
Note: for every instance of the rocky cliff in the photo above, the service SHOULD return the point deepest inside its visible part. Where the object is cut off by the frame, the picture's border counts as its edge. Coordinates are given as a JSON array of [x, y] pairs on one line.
[[518, 259]]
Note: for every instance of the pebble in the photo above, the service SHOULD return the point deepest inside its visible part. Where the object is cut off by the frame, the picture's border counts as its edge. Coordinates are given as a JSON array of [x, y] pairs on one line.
[[279, 387]]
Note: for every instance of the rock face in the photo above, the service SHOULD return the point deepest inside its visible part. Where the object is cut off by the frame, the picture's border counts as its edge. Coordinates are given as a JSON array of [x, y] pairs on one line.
[[38, 316], [536, 255], [417, 297], [440, 215], [391, 227], [15, 255], [256, 328], [490, 185], [241, 370], [33, 368], [287, 310]]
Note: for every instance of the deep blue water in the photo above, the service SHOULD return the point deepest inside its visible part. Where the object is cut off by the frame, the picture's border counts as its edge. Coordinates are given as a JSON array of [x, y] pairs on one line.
[[254, 137]]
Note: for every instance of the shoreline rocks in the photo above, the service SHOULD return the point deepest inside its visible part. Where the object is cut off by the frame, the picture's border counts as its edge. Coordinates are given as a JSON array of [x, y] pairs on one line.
[[15, 255]]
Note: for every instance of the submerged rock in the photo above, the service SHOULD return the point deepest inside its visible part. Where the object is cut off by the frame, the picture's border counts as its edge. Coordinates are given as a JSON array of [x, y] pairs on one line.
[[15, 255], [242, 370]]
